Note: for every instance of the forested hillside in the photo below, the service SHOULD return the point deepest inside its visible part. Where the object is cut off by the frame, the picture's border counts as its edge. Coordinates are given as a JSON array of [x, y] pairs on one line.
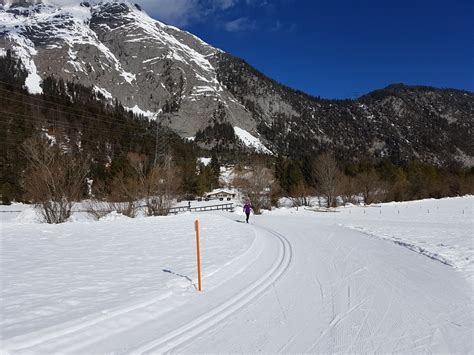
[[85, 124]]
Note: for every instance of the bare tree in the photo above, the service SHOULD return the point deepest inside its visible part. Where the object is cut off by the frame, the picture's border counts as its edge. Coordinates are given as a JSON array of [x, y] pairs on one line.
[[97, 205], [257, 184], [54, 178], [159, 184], [328, 177], [97, 208], [155, 186], [124, 196], [348, 189], [370, 186], [162, 184], [300, 194]]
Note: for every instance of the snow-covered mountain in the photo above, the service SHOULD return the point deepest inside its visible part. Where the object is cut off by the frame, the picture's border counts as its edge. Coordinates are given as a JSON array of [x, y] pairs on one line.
[[200, 91], [123, 53]]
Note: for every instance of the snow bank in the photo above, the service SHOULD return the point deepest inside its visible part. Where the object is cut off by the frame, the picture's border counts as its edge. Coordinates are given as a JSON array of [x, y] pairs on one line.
[[27, 216], [17, 213], [440, 229]]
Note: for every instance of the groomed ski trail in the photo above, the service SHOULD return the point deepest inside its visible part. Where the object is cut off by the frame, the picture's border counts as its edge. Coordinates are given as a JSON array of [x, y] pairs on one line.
[[347, 292], [270, 258], [186, 333]]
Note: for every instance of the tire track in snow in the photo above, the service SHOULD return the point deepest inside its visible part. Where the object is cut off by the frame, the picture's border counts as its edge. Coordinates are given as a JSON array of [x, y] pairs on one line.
[[186, 333]]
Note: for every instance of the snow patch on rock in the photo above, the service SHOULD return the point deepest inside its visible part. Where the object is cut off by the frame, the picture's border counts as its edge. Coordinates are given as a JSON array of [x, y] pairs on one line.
[[138, 111], [204, 161], [25, 49], [251, 141], [104, 92]]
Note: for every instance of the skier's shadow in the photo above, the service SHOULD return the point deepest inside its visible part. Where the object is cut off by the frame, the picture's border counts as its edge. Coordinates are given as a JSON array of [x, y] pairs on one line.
[[183, 276]]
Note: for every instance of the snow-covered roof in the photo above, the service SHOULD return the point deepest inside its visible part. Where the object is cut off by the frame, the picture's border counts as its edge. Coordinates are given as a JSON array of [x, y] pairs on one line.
[[220, 191]]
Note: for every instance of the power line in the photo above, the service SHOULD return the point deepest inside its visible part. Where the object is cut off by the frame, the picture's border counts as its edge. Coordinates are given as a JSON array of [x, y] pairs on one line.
[[164, 137], [31, 97], [159, 144], [69, 113], [61, 125], [77, 125], [97, 155], [67, 125], [42, 94]]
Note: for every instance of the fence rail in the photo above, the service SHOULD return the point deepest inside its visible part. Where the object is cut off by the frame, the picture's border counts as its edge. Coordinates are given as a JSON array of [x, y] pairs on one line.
[[220, 207]]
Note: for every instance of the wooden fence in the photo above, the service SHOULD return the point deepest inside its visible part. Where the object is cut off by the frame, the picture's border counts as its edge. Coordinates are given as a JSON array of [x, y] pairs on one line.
[[221, 207]]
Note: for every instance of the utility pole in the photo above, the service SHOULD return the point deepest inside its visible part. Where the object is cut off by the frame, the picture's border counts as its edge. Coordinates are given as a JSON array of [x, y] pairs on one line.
[[156, 137], [156, 143]]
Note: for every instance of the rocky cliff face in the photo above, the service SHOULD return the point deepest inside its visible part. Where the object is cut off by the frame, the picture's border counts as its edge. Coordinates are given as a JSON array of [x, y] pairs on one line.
[[155, 69], [401, 122], [197, 90]]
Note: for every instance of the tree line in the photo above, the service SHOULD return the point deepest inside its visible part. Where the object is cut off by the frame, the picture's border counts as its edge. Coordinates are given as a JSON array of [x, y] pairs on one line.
[[369, 181], [71, 143]]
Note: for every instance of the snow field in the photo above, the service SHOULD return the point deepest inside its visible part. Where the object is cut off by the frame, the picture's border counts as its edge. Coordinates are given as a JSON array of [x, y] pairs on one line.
[[291, 281], [58, 280]]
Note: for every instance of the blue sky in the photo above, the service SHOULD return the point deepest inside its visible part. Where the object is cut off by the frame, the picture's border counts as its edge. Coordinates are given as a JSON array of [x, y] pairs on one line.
[[338, 48]]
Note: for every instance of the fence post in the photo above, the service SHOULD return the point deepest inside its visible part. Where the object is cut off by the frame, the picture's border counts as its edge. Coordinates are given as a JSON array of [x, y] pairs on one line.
[[198, 253]]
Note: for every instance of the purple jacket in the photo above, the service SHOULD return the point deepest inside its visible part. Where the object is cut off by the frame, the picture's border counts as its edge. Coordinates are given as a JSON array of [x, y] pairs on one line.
[[247, 207]]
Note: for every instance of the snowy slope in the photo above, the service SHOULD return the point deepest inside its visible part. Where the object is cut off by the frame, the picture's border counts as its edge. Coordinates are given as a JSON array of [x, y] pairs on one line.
[[250, 141], [69, 25]]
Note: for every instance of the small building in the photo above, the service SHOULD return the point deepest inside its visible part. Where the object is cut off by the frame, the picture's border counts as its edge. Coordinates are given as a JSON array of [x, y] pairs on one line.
[[219, 194]]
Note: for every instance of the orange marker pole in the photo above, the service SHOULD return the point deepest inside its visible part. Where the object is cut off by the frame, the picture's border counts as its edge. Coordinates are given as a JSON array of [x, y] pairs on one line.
[[196, 225]]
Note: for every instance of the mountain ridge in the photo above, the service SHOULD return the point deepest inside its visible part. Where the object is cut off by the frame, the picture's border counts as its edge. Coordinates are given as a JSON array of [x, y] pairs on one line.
[[200, 91]]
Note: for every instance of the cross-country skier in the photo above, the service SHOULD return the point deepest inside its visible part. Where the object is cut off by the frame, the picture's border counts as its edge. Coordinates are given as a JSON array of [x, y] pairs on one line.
[[247, 208]]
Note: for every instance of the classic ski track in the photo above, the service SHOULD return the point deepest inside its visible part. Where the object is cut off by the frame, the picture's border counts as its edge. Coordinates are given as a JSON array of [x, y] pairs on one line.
[[56, 332], [186, 333], [182, 334]]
